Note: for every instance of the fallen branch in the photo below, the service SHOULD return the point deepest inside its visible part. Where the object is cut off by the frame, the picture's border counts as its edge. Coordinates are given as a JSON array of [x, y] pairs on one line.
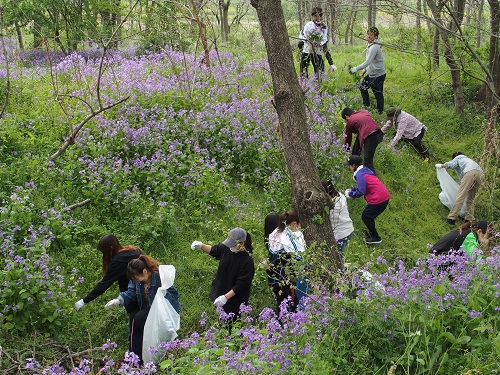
[[76, 205]]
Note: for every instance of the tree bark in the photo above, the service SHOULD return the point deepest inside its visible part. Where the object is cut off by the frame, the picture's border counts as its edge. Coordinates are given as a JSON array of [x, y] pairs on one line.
[[309, 197], [224, 19], [456, 81], [492, 101]]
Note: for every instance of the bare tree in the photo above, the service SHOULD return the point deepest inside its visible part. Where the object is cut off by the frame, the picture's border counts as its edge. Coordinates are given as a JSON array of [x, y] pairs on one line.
[[309, 197], [7, 69]]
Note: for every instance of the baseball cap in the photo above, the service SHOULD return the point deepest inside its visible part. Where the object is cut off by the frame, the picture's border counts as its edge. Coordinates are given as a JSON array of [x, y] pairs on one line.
[[236, 235], [354, 159]]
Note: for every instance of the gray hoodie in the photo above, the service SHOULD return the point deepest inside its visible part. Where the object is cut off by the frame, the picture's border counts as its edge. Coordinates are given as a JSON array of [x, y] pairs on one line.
[[374, 63]]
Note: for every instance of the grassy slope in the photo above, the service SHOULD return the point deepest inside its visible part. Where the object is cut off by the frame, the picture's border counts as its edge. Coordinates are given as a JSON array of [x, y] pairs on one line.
[[412, 220]]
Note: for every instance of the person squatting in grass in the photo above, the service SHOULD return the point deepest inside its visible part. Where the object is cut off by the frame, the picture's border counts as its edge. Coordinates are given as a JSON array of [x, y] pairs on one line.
[[286, 246], [142, 287], [375, 71], [339, 217], [368, 131], [115, 259], [376, 195], [469, 237], [314, 36], [470, 178], [233, 280], [408, 128]]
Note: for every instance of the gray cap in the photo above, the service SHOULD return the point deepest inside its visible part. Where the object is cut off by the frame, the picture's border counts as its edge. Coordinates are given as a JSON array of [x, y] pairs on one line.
[[236, 235]]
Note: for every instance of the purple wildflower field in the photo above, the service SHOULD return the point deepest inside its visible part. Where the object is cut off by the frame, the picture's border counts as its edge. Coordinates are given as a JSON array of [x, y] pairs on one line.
[[189, 135]]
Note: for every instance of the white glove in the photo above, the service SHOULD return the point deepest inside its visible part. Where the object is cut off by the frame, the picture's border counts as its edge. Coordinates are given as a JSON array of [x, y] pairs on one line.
[[347, 193], [79, 305], [112, 303], [353, 70], [333, 68], [438, 166], [220, 301], [196, 245]]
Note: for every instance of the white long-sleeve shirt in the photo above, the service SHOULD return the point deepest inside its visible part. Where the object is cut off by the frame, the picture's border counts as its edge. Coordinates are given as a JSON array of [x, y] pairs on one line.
[[314, 36], [339, 217]]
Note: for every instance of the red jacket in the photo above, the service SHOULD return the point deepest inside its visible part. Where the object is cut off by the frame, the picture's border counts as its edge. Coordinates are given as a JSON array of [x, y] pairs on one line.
[[361, 123]]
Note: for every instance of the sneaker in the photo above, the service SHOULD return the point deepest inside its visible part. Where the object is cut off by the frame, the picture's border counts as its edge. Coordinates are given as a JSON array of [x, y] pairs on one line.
[[372, 240], [426, 160]]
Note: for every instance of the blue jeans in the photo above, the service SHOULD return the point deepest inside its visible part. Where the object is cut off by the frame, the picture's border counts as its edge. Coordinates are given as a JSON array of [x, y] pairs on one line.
[[377, 86], [341, 245]]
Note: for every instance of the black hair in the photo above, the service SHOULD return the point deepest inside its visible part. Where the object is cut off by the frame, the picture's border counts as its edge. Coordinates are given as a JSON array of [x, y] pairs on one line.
[[317, 11], [329, 188], [270, 224], [287, 218], [455, 154], [346, 112], [374, 30], [248, 243]]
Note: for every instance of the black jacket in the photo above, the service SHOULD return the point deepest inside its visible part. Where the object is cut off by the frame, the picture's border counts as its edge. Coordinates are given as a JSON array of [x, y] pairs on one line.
[[236, 271], [117, 271]]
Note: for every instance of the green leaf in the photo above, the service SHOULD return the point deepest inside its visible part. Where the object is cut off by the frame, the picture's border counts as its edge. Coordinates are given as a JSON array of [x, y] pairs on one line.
[[462, 340], [439, 289], [449, 336]]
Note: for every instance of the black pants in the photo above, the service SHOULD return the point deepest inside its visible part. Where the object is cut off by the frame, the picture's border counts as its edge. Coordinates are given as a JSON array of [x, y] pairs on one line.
[[138, 332], [377, 86], [317, 63], [282, 292], [369, 148], [369, 215], [419, 146]]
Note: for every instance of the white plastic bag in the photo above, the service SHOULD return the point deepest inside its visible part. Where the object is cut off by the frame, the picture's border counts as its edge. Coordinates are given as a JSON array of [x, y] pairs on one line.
[[163, 321], [449, 189]]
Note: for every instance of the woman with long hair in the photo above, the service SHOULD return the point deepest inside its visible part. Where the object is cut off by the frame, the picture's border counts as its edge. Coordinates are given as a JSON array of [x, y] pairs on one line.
[[286, 244], [142, 287], [115, 259]]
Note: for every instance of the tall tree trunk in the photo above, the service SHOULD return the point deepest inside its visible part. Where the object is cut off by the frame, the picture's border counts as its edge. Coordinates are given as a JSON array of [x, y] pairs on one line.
[[418, 25], [309, 197], [456, 81], [332, 17], [435, 48], [19, 36], [224, 18], [492, 99], [479, 21], [350, 22], [370, 13]]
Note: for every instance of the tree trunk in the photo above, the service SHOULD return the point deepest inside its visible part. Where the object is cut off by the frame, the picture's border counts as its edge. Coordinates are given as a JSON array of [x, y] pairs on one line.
[[350, 22], [19, 37], [456, 81], [309, 197], [418, 25], [224, 19], [370, 13], [479, 21], [435, 48], [492, 101], [332, 16]]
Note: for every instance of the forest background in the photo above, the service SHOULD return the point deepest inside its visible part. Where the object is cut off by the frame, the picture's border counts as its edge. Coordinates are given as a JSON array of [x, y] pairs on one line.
[[155, 121]]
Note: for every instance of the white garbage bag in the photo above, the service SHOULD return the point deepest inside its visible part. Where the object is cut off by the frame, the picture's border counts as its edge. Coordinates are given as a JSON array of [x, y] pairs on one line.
[[163, 321], [449, 189]]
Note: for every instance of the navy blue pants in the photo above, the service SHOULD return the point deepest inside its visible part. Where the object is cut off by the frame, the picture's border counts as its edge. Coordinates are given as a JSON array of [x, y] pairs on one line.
[[377, 86]]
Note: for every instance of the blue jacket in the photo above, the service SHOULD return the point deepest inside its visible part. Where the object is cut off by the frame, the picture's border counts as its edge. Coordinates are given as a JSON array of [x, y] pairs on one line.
[[135, 293]]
